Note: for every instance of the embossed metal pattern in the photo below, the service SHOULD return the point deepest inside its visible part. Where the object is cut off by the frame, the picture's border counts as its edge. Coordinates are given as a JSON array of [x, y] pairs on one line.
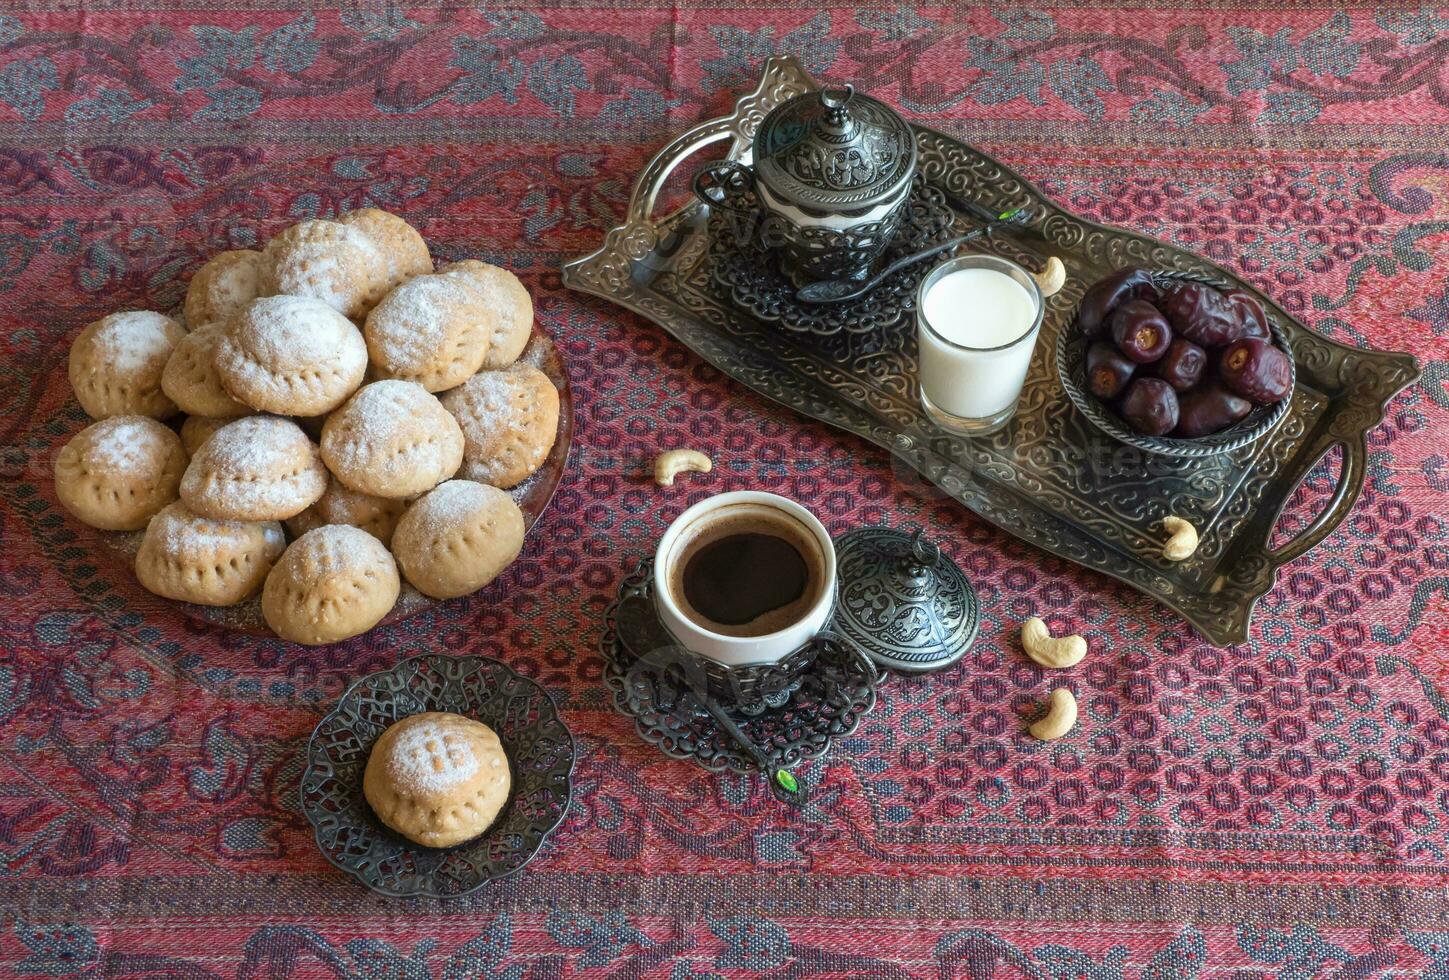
[[1071, 363], [1050, 477], [834, 694], [909, 607], [852, 153], [540, 756], [751, 278]]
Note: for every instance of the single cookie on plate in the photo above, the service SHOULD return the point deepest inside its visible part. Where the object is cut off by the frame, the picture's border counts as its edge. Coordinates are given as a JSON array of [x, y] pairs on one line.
[[197, 429], [377, 516], [291, 355], [434, 330], [402, 247], [117, 361], [509, 420], [191, 380], [437, 778], [512, 308], [223, 285], [259, 468], [392, 439], [118, 472], [456, 538], [332, 583], [213, 563], [336, 264]]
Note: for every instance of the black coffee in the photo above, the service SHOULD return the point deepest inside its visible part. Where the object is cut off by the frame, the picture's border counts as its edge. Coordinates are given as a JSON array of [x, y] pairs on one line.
[[739, 578]]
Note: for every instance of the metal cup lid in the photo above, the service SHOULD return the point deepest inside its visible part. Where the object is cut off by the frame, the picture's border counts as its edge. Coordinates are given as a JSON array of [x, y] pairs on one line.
[[904, 603]]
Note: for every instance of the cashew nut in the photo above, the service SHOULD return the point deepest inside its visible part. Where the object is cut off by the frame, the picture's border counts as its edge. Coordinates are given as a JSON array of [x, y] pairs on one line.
[[1063, 651], [1061, 716], [1182, 540], [1051, 279], [668, 465]]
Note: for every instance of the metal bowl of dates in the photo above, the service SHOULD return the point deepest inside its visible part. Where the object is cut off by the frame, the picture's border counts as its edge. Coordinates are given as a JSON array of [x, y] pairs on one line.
[[1072, 355]]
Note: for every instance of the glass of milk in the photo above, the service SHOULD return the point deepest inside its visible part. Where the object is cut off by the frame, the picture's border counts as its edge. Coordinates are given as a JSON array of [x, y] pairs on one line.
[[977, 319]]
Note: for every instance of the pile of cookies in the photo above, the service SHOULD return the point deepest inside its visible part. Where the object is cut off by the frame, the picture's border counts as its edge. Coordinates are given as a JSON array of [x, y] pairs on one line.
[[407, 378]]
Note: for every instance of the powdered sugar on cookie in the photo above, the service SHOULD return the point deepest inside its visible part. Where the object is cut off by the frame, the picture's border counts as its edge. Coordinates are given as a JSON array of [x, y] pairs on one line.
[[426, 759]]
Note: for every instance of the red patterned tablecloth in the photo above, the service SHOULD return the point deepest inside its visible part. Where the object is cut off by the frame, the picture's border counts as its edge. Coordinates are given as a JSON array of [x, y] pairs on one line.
[[1280, 808]]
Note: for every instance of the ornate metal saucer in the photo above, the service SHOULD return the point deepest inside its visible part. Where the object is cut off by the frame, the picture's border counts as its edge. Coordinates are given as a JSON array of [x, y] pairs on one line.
[[905, 604], [1072, 372], [1050, 477], [836, 690], [752, 277], [540, 755]]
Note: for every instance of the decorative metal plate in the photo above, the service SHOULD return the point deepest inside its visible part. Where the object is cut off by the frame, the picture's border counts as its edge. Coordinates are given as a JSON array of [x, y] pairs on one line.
[[532, 496], [752, 279], [540, 755], [836, 691], [1071, 361], [1050, 477]]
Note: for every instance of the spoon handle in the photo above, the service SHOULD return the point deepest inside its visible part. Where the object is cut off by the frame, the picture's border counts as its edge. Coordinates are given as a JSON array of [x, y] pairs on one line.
[[782, 782], [840, 291]]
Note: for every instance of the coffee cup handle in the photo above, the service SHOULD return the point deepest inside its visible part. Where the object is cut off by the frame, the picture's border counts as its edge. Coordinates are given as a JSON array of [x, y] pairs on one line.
[[830, 636], [719, 185]]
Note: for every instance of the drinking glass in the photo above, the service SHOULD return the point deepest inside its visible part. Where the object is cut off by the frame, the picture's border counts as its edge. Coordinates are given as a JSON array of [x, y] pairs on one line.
[[973, 390]]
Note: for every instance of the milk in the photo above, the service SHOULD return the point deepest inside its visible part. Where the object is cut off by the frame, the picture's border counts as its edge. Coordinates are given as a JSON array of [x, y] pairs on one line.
[[962, 316]]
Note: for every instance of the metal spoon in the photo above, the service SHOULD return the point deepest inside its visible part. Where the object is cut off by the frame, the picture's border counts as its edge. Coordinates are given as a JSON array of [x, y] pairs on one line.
[[840, 290], [646, 639]]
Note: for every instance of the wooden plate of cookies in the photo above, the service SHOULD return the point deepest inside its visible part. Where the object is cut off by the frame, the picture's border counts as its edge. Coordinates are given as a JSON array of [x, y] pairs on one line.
[[342, 438]]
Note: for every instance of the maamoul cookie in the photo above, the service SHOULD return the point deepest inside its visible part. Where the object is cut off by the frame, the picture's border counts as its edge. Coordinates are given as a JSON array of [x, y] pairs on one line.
[[223, 285], [376, 515], [332, 583], [259, 468], [336, 264], [402, 247], [509, 420], [511, 305], [434, 330], [392, 439], [437, 778], [214, 563], [457, 538], [190, 378], [291, 355], [197, 429], [118, 472], [116, 364]]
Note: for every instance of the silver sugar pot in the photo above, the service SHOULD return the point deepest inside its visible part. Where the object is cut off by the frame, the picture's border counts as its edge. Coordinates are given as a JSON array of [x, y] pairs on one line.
[[829, 182]]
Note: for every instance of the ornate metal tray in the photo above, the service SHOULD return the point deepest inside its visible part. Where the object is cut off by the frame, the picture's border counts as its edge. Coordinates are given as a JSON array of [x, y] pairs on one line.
[[540, 756], [837, 690], [1050, 477]]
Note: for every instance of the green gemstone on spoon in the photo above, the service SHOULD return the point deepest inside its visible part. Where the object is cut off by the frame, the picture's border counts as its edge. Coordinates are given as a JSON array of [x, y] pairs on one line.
[[787, 781]]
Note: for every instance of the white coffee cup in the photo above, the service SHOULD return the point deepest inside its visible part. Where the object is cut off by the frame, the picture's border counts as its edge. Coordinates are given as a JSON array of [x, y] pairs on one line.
[[736, 651]]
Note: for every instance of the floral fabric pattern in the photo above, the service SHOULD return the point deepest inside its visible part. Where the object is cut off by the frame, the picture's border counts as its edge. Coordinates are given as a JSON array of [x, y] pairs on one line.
[[1275, 809]]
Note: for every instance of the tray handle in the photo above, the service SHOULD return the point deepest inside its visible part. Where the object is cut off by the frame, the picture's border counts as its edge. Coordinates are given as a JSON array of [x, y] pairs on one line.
[[783, 77], [1350, 480]]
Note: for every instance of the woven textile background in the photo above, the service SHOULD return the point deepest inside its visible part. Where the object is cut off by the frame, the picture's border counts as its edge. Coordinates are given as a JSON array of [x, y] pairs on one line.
[[1278, 809]]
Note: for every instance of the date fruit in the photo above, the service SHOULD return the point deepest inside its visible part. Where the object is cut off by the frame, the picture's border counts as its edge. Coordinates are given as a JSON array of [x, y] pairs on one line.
[[1150, 406], [1201, 314], [1107, 371], [1209, 408], [1256, 370], [1107, 294], [1141, 331], [1182, 366], [1251, 318]]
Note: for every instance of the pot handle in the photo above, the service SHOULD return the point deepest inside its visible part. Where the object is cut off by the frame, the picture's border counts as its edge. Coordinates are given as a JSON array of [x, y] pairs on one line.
[[721, 185]]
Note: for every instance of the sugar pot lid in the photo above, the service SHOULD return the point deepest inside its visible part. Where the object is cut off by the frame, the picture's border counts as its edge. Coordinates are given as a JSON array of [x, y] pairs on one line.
[[907, 606], [834, 150]]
